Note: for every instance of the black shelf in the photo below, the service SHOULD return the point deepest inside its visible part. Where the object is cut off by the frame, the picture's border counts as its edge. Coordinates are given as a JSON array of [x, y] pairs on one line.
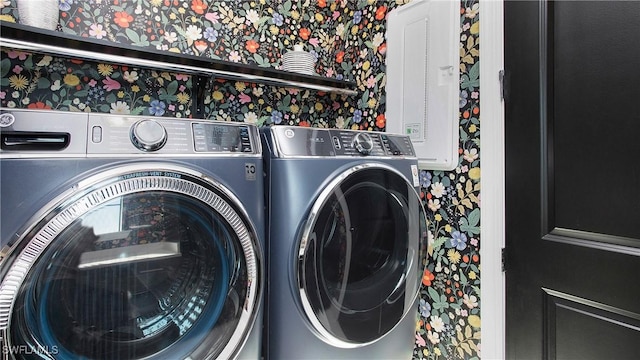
[[61, 44]]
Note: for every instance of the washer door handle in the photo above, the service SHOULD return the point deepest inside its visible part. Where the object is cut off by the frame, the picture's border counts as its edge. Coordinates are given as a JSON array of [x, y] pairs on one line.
[[35, 141]]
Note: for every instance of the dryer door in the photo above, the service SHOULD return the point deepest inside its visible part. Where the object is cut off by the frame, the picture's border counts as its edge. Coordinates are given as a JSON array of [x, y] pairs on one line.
[[149, 261], [361, 256]]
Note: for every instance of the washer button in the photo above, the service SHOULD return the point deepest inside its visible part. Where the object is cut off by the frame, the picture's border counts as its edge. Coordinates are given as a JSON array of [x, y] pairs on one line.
[[96, 134], [148, 135]]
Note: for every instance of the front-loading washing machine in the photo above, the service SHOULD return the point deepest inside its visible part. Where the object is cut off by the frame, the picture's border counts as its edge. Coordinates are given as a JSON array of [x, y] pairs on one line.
[[346, 244], [125, 237]]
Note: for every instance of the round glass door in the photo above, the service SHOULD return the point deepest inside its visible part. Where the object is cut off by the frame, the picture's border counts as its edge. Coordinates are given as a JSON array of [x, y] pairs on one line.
[[361, 256], [153, 265]]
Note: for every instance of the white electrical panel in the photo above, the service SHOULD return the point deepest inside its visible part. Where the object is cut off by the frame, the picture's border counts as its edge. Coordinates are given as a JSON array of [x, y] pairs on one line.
[[423, 79]]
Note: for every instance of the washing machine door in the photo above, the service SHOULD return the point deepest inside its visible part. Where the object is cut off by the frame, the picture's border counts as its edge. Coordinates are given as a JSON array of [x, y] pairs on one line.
[[361, 256], [140, 262]]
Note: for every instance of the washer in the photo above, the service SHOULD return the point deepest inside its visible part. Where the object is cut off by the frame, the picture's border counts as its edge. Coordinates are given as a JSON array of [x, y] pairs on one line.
[[346, 244], [125, 237]]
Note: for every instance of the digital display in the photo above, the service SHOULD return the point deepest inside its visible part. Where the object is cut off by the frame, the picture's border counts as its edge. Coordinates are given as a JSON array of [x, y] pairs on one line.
[[221, 138], [225, 137]]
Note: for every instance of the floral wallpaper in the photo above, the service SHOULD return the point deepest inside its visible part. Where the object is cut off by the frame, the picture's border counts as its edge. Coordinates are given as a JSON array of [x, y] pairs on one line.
[[449, 312], [346, 37]]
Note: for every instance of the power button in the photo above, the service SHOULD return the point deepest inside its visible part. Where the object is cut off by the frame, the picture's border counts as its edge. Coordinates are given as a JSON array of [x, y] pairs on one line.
[[96, 134]]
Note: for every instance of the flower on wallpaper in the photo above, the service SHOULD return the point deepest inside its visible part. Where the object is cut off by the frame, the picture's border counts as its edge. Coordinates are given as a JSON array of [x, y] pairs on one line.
[[97, 31], [192, 34], [381, 121], [433, 337], [123, 19], [109, 83], [217, 95], [198, 6], [257, 91], [472, 11], [438, 189], [18, 82], [434, 204], [474, 174], [157, 108], [210, 34], [244, 98], [424, 308], [474, 320], [250, 117], [427, 277], [471, 301], [234, 56], [276, 117], [277, 19], [120, 107], [463, 98], [130, 76], [45, 61], [214, 18], [437, 324], [253, 17], [425, 178], [65, 5], [170, 37], [19, 55], [458, 240], [454, 256], [357, 116], [470, 154], [183, 99], [55, 86]]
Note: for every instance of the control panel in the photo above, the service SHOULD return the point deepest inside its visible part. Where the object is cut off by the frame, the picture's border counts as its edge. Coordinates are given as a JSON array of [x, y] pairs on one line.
[[27, 133], [301, 141], [131, 135]]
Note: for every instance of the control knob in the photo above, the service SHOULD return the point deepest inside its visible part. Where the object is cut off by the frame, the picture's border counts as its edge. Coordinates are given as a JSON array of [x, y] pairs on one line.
[[148, 135], [363, 143]]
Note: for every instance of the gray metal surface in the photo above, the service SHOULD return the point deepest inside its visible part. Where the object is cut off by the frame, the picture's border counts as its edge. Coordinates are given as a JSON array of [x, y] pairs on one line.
[[34, 180], [295, 141]]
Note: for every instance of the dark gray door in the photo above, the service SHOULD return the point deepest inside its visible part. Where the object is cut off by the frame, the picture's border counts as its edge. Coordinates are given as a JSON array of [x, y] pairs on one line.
[[572, 179], [361, 256]]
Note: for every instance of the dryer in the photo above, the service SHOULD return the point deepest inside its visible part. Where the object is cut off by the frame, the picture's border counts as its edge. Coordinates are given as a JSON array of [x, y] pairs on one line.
[[125, 237], [346, 244]]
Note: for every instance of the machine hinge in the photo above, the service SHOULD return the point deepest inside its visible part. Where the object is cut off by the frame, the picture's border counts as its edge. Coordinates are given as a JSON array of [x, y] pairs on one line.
[[502, 76], [503, 259]]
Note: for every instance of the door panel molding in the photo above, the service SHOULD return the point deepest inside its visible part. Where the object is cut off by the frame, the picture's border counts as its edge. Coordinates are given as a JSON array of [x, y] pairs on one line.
[[593, 240], [625, 322], [545, 49], [551, 53]]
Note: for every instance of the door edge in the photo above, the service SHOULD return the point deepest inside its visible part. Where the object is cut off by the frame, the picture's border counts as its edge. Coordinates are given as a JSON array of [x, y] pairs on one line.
[[492, 180]]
